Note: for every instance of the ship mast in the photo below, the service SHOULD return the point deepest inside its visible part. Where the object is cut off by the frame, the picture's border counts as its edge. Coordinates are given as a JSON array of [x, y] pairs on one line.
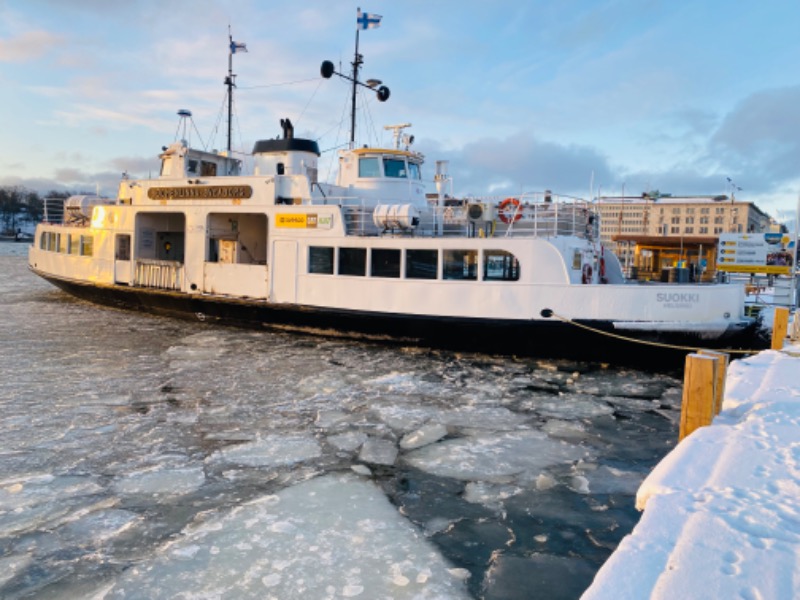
[[229, 83], [230, 80], [358, 60], [327, 70]]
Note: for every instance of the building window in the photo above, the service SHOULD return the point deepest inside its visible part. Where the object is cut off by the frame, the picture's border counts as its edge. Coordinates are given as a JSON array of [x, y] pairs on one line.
[[320, 260], [705, 211], [675, 230], [704, 220], [422, 264], [499, 265], [353, 261], [717, 229], [689, 230], [718, 220], [460, 264], [385, 262], [704, 230], [689, 220], [676, 220]]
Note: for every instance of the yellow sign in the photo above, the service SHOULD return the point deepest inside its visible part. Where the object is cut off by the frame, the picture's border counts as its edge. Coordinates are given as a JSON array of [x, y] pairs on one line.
[[303, 221], [200, 192], [292, 220]]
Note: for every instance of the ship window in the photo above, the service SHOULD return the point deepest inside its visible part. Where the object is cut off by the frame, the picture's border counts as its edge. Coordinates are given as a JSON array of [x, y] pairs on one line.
[[74, 244], [123, 251], [63, 241], [87, 245], [368, 166], [460, 264], [320, 260], [385, 262], [208, 169], [191, 166], [422, 264], [353, 261], [413, 171], [394, 167], [499, 265]]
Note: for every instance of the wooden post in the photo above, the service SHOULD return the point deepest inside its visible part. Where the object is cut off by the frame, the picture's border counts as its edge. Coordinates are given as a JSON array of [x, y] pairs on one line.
[[699, 390], [780, 326], [722, 374]]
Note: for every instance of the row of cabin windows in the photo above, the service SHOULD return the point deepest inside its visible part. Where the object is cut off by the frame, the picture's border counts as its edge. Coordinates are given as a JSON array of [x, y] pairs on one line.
[[498, 265], [67, 243], [370, 166]]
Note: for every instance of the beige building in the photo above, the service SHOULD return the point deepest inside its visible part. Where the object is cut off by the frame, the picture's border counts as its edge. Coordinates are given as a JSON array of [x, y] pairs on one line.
[[653, 232]]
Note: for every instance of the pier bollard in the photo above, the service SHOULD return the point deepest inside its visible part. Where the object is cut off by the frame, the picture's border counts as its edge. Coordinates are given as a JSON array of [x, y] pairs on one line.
[[780, 326], [699, 392], [722, 374]]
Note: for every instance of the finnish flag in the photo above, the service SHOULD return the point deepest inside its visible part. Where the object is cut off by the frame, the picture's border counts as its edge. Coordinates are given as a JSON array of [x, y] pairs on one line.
[[238, 47], [368, 20]]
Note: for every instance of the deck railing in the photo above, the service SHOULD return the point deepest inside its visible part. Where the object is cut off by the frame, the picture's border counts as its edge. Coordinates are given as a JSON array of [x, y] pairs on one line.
[[529, 217], [159, 274]]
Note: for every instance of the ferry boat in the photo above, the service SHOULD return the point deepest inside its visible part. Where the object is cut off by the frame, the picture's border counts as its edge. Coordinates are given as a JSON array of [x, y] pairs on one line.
[[371, 257]]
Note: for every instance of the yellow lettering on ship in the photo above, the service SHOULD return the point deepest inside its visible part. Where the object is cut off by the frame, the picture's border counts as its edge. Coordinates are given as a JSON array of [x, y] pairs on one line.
[[294, 220], [200, 192]]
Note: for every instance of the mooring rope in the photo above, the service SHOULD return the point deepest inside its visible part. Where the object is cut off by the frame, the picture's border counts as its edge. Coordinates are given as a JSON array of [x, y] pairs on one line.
[[547, 313]]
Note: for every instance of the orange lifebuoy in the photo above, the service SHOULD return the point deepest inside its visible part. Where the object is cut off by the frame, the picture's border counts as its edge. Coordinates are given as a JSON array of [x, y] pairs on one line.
[[586, 276], [509, 211]]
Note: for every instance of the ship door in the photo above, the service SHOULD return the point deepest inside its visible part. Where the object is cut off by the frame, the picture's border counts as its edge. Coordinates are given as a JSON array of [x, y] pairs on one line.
[[122, 258], [284, 272]]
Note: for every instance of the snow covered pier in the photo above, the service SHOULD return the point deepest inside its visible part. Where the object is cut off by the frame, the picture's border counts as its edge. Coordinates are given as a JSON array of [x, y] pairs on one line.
[[722, 511]]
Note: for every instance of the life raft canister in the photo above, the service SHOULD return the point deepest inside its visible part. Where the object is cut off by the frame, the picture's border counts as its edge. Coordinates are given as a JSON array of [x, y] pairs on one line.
[[509, 211], [586, 275]]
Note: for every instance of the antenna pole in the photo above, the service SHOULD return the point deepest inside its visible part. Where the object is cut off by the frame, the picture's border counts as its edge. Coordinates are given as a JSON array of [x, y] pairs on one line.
[[356, 64]]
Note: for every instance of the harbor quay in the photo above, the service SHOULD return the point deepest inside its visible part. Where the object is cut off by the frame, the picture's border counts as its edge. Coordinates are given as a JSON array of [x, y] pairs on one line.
[[721, 512]]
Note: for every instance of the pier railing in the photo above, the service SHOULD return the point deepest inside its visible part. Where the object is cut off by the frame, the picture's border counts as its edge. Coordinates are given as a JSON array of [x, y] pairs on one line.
[[158, 274]]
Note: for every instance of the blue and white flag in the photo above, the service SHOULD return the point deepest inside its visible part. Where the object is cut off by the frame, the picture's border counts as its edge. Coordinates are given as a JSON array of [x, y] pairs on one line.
[[367, 20], [238, 47]]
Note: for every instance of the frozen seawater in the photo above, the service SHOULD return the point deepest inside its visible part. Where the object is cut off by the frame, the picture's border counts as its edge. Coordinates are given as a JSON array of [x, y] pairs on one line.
[[331, 537], [132, 450], [493, 457]]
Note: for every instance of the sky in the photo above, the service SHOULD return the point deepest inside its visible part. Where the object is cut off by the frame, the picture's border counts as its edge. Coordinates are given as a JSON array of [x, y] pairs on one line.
[[584, 97]]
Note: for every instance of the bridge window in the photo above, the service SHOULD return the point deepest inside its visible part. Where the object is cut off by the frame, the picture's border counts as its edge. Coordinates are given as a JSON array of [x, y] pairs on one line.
[[369, 166], [394, 167], [422, 264], [353, 261], [413, 171], [499, 265], [320, 260], [385, 262], [460, 264]]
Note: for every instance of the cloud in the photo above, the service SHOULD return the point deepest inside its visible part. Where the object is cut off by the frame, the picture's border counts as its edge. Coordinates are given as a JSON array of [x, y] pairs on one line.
[[760, 137], [521, 162], [28, 46]]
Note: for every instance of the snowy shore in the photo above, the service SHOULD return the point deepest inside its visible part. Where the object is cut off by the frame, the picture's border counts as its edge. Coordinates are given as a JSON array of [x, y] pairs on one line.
[[722, 511]]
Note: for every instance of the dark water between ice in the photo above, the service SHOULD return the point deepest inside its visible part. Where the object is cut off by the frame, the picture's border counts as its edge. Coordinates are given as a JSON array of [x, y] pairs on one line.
[[144, 457]]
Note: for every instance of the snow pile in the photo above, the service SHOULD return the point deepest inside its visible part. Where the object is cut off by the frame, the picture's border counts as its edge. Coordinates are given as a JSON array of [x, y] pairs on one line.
[[721, 511]]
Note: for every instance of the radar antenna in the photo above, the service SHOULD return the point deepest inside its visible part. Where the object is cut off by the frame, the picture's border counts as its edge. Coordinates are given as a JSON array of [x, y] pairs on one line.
[[398, 136]]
